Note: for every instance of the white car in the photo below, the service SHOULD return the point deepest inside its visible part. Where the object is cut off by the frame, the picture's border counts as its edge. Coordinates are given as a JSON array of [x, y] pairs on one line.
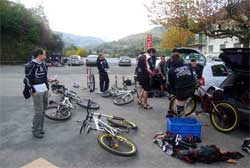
[[91, 60], [75, 60], [214, 73]]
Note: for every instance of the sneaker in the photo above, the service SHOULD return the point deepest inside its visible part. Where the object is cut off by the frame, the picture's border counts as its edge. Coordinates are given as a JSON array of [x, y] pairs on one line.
[[246, 145], [38, 135]]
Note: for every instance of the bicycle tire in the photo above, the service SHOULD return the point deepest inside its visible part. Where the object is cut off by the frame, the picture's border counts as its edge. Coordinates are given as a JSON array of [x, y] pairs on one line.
[[225, 114], [91, 82], [52, 115], [101, 141], [172, 106], [84, 103], [122, 123], [119, 101]]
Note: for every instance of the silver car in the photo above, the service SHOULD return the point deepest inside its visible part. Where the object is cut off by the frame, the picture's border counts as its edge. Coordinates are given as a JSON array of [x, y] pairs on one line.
[[124, 61], [75, 60], [91, 60]]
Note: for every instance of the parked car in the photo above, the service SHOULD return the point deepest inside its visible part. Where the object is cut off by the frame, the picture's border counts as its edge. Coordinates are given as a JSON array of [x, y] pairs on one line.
[[91, 60], [236, 85], [214, 73], [124, 61], [75, 60], [186, 51]]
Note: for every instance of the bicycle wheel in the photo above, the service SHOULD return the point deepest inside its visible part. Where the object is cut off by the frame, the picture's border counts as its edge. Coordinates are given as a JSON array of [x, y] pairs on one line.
[[91, 83], [84, 103], [117, 145], [122, 100], [226, 119], [189, 108], [121, 123], [53, 113]]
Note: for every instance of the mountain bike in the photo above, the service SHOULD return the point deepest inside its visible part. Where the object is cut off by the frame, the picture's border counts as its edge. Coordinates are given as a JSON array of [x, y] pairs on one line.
[[61, 110], [223, 115], [122, 95], [110, 138]]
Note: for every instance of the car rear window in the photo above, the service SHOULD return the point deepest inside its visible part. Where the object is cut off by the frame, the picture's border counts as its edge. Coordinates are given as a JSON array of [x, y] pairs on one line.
[[219, 70]]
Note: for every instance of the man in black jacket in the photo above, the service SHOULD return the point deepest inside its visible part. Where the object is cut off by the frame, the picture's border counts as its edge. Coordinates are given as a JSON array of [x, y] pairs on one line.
[[103, 66], [181, 81], [37, 83]]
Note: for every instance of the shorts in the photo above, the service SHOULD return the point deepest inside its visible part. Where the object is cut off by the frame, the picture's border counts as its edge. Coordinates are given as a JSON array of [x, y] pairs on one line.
[[146, 84], [163, 81], [184, 93]]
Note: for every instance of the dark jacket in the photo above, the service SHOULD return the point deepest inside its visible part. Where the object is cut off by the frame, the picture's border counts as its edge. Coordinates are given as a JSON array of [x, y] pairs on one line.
[[144, 67], [180, 76], [35, 73], [102, 65]]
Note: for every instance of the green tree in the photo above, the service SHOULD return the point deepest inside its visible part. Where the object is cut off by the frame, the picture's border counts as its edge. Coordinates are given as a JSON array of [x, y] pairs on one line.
[[23, 30]]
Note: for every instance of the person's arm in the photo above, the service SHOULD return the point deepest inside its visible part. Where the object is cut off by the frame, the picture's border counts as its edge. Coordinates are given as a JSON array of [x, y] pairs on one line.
[[107, 63], [99, 66], [29, 76], [148, 63], [199, 71]]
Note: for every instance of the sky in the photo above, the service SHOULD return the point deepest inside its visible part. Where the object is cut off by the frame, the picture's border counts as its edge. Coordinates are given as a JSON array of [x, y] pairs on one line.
[[106, 19]]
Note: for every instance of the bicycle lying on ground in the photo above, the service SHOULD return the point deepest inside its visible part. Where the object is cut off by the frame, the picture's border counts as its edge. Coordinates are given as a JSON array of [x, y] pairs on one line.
[[121, 94], [223, 115], [110, 138], [62, 109]]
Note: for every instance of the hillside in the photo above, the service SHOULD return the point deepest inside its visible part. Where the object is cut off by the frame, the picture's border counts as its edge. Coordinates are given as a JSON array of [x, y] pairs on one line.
[[131, 45], [80, 41]]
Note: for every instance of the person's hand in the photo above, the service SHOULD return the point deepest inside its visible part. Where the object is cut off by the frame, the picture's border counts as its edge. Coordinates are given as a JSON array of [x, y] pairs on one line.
[[34, 94]]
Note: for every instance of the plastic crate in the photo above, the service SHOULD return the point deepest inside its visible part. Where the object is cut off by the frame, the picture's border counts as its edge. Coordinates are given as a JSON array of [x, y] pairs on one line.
[[184, 126]]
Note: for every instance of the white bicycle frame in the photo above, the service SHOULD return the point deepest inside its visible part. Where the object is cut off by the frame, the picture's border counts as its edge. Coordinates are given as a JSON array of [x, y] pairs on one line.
[[104, 127]]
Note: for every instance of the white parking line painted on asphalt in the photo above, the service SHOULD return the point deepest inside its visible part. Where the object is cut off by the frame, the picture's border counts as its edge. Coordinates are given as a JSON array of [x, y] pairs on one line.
[[39, 163]]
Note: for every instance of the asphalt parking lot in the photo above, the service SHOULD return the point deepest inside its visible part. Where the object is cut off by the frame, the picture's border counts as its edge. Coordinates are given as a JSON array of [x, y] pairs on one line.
[[64, 147]]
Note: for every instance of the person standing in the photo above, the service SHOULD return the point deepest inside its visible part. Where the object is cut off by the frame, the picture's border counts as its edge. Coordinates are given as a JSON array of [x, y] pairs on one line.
[[197, 69], [181, 81], [36, 82], [103, 66], [162, 73], [145, 70]]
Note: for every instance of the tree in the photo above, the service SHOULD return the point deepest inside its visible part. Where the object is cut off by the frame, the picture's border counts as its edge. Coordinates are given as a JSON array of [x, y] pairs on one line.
[[214, 18], [82, 52], [23, 30], [70, 52], [176, 37]]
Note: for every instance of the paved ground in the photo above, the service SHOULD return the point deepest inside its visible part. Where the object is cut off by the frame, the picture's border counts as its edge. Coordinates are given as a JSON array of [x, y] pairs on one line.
[[64, 147]]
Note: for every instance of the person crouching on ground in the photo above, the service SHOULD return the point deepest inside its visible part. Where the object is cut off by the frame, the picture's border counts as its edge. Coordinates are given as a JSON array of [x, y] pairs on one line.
[[103, 66], [37, 82], [145, 71], [181, 82]]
